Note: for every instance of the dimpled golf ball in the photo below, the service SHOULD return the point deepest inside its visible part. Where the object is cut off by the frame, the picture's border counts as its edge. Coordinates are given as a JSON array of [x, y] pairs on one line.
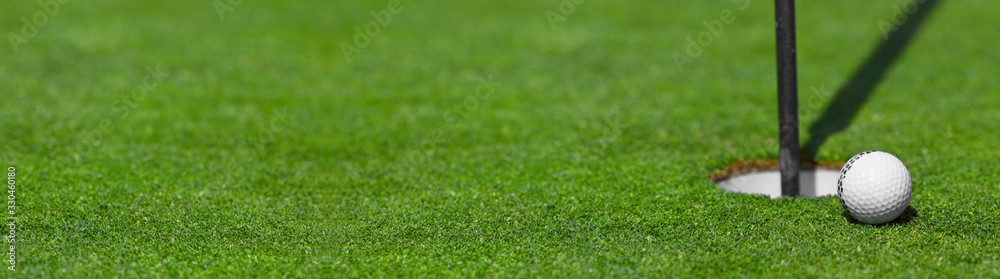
[[874, 187]]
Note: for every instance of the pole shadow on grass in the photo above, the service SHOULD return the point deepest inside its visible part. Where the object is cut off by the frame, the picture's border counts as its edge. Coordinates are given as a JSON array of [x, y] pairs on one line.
[[908, 215], [852, 95]]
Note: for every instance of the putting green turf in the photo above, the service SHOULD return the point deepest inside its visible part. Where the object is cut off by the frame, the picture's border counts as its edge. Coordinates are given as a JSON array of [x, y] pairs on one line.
[[263, 152]]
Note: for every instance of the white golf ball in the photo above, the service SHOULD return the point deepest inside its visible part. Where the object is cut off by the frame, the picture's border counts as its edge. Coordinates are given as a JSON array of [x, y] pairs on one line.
[[874, 187]]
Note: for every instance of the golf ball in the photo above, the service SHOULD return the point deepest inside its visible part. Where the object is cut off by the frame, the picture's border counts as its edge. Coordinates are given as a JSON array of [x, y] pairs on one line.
[[874, 187]]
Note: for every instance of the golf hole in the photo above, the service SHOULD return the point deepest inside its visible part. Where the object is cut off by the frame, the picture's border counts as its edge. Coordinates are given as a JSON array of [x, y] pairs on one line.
[[763, 178]]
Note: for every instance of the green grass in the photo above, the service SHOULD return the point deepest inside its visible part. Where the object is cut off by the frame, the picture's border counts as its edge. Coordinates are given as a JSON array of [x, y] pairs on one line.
[[588, 159]]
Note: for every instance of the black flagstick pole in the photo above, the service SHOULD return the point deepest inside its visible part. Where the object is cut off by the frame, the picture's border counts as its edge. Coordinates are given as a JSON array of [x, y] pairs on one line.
[[788, 103]]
